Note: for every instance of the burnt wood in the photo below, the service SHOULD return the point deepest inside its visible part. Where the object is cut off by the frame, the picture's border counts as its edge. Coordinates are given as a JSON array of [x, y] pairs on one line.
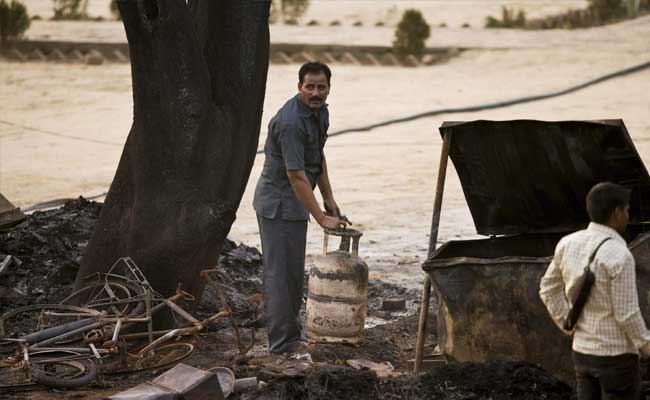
[[199, 75]]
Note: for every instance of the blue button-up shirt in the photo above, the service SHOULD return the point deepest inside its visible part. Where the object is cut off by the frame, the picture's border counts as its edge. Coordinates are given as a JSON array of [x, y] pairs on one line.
[[294, 142]]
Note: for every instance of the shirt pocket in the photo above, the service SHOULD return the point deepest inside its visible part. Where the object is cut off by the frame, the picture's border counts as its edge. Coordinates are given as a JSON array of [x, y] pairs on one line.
[[311, 135]]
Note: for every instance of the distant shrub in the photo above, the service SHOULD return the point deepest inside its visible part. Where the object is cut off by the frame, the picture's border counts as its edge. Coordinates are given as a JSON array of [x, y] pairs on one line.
[[442, 25], [411, 34], [358, 23], [508, 19], [598, 12], [313, 22], [466, 25], [70, 9], [633, 8], [288, 11], [335, 23], [571, 19], [115, 12], [14, 20], [380, 23], [606, 10]]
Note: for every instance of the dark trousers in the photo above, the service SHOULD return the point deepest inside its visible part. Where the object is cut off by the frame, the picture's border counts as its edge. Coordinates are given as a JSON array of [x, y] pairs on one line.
[[607, 377], [283, 248]]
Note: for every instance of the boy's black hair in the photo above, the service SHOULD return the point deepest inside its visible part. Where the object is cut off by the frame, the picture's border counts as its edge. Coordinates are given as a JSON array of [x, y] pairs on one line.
[[603, 198]]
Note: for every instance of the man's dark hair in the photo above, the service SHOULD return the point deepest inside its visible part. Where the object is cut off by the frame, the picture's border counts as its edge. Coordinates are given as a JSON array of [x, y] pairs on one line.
[[603, 198], [315, 68]]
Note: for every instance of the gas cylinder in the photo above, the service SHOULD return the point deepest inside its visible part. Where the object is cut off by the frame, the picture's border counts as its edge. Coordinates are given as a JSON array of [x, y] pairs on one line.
[[337, 301]]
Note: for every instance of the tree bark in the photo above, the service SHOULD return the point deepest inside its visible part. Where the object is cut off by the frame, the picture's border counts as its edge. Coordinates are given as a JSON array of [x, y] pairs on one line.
[[199, 76]]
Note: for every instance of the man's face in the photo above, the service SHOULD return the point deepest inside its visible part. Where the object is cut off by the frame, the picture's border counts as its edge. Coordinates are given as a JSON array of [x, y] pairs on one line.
[[621, 218], [314, 90]]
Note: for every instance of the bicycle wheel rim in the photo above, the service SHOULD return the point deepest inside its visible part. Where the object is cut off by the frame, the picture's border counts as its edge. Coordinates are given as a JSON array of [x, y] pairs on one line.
[[162, 357], [47, 370]]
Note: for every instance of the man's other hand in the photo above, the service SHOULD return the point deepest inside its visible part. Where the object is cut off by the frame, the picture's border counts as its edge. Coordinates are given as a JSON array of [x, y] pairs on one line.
[[331, 208], [333, 223], [645, 350]]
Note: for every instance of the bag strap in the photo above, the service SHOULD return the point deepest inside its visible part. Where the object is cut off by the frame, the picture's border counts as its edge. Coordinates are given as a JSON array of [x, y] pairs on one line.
[[593, 255]]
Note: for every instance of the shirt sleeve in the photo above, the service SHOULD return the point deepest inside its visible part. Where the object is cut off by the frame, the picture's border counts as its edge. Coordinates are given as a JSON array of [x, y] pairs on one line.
[[625, 302], [292, 144], [551, 291]]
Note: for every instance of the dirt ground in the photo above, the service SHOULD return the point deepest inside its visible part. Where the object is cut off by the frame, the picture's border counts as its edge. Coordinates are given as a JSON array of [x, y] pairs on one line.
[[63, 126], [46, 249]]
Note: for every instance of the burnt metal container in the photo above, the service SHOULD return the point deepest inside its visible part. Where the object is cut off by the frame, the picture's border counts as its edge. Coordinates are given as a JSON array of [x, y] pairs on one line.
[[525, 183]]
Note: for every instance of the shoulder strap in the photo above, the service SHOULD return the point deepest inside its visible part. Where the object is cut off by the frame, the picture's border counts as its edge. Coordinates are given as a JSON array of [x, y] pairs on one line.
[[593, 255]]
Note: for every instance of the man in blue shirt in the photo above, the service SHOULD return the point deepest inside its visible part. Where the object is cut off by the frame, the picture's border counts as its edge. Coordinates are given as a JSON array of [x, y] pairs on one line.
[[294, 165]]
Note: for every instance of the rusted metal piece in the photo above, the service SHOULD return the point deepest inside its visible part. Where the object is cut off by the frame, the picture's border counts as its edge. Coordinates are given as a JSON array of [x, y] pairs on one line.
[[180, 382], [72, 311], [491, 308], [205, 274], [10, 215], [163, 356], [184, 314], [393, 304], [433, 239], [96, 327]]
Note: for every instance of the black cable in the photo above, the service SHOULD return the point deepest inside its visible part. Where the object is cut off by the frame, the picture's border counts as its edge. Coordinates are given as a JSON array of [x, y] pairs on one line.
[[63, 135], [499, 104], [452, 110]]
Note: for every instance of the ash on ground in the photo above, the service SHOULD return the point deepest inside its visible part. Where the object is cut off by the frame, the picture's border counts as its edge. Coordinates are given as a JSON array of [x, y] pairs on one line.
[[43, 255], [499, 380], [45, 252]]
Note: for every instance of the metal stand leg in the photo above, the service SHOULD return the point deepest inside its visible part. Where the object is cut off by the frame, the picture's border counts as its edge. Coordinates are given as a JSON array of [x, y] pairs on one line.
[[433, 238]]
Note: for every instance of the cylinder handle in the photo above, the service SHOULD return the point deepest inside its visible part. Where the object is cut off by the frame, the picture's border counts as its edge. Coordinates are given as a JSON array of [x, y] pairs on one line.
[[345, 234]]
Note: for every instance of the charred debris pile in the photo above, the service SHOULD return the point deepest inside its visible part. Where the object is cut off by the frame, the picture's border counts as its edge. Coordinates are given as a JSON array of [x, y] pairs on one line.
[[498, 380], [40, 258]]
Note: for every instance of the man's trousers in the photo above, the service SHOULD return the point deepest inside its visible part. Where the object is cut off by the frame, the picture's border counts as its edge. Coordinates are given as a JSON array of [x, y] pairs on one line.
[[607, 377], [283, 248]]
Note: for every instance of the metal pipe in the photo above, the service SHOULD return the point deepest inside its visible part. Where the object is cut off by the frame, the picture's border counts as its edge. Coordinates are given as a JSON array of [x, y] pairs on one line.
[[57, 330], [80, 350], [205, 275], [147, 303], [116, 331], [135, 336], [433, 239], [157, 342], [184, 314]]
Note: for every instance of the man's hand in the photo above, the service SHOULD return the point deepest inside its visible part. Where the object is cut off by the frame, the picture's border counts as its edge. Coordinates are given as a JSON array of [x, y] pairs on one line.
[[329, 222], [331, 208], [645, 350]]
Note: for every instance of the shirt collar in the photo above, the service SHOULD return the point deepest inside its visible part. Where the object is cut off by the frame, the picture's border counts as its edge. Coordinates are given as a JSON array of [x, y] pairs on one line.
[[306, 111], [596, 227]]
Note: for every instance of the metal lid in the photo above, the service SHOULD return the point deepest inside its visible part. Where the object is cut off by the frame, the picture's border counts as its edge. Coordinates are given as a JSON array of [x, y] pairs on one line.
[[526, 176]]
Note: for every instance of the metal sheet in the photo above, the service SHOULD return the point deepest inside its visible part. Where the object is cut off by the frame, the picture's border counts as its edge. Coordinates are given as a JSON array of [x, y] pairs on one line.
[[526, 176], [9, 214]]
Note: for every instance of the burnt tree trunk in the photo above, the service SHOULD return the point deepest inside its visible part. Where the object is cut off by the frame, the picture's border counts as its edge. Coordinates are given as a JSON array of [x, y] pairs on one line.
[[199, 76]]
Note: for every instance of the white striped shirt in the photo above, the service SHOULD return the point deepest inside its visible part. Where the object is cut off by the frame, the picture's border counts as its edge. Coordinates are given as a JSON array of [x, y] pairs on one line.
[[611, 321]]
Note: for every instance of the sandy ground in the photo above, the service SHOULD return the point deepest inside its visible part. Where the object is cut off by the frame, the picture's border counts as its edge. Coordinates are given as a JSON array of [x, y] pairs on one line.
[[453, 13], [62, 127]]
